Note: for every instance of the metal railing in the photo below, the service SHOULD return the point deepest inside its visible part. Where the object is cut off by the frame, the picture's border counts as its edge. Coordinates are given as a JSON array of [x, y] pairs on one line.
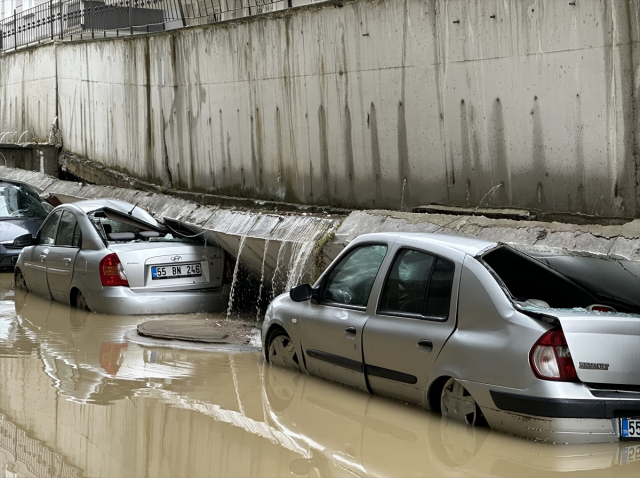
[[78, 19]]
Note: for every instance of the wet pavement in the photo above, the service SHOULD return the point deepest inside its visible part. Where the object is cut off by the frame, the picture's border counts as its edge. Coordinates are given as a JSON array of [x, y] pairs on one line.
[[77, 399]]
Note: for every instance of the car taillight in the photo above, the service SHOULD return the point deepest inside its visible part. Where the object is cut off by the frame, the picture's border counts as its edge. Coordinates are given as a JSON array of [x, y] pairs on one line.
[[550, 358], [112, 272]]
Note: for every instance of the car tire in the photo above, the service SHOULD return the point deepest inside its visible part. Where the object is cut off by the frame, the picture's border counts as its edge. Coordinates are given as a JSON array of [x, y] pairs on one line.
[[81, 302], [281, 351], [458, 404], [18, 280]]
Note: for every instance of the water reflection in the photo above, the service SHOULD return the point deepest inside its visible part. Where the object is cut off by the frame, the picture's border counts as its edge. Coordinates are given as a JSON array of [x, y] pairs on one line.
[[99, 406], [368, 435]]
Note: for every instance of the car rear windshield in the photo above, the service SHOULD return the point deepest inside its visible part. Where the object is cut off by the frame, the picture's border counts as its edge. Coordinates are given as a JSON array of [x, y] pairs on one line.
[[115, 227], [567, 282], [20, 201]]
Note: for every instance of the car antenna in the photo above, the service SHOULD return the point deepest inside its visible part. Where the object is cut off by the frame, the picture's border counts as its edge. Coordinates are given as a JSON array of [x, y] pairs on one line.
[[135, 206]]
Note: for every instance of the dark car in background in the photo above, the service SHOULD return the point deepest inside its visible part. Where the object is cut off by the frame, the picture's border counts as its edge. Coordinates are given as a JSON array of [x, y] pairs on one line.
[[21, 212]]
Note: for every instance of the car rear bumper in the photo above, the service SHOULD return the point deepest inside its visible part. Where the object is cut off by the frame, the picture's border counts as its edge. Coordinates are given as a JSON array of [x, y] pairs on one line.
[[555, 412], [123, 301], [553, 430], [565, 408]]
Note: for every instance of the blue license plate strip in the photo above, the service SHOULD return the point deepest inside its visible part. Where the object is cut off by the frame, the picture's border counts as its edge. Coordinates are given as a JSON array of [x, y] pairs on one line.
[[630, 428]]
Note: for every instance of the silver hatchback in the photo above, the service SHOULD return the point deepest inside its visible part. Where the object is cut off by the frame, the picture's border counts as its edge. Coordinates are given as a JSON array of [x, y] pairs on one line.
[[110, 256], [546, 347]]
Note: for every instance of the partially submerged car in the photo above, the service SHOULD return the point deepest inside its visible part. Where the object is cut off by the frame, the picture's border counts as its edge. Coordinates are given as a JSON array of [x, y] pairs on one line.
[[113, 257], [474, 330], [21, 212]]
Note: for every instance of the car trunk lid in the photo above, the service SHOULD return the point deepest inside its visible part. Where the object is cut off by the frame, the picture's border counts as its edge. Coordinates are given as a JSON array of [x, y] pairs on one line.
[[186, 266], [604, 346]]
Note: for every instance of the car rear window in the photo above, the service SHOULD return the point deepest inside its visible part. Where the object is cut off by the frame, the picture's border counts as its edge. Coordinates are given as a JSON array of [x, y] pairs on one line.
[[20, 201], [112, 229], [527, 278]]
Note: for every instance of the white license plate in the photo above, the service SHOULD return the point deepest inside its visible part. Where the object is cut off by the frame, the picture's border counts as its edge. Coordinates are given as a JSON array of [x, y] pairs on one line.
[[175, 272], [629, 454], [630, 428]]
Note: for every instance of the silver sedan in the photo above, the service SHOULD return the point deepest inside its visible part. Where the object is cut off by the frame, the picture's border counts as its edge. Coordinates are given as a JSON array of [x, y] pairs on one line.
[[546, 347], [113, 257]]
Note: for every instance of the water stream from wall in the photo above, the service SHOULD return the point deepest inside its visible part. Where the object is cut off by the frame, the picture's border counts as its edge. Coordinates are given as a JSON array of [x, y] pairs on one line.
[[261, 288], [404, 184], [234, 282], [298, 262]]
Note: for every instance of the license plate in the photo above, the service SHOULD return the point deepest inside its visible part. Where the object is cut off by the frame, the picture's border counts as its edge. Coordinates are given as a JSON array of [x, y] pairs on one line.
[[629, 454], [176, 272], [630, 428]]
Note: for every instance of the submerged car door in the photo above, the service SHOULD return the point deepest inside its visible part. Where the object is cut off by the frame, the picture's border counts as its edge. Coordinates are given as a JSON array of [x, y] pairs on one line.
[[331, 329], [415, 316], [36, 266], [62, 256]]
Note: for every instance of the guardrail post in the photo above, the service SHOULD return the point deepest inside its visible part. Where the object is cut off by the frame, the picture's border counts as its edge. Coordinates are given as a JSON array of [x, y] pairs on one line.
[[184, 22], [130, 17], [15, 30], [60, 13], [51, 16], [91, 13]]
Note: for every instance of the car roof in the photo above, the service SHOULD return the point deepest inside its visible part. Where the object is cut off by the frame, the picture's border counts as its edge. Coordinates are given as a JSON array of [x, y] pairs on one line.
[[466, 245]]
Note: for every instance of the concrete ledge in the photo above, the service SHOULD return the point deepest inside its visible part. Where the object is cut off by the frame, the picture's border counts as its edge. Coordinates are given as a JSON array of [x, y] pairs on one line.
[[91, 172]]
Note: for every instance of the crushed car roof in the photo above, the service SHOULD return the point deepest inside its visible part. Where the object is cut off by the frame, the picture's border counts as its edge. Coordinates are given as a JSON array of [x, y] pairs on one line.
[[122, 207]]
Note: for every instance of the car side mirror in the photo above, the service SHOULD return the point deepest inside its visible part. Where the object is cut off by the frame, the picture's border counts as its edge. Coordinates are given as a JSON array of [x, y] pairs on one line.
[[301, 293], [23, 241]]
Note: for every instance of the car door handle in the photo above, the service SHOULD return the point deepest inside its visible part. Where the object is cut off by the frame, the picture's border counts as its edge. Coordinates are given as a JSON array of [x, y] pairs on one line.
[[425, 345], [43, 257], [350, 333], [66, 260]]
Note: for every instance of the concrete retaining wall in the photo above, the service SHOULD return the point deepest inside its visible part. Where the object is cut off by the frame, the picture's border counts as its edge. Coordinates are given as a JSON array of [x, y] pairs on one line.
[[28, 94], [365, 103]]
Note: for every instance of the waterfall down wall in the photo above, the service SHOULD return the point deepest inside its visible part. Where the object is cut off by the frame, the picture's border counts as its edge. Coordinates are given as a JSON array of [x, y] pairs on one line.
[[369, 104]]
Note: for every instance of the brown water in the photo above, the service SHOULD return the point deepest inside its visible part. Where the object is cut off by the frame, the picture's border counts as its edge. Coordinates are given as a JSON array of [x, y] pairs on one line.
[[77, 400]]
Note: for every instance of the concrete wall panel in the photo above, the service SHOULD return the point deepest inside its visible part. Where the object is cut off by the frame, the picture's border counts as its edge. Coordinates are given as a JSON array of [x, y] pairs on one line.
[[368, 103], [27, 95]]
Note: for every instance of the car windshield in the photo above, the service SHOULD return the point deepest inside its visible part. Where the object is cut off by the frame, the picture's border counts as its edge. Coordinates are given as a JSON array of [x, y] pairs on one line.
[[20, 201], [115, 227]]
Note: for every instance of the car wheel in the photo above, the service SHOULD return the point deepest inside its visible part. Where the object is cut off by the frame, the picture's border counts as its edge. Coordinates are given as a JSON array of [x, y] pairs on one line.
[[281, 351], [18, 280], [458, 404], [81, 302]]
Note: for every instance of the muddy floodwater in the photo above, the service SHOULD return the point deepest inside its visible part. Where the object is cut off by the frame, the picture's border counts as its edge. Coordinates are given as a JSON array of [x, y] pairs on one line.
[[77, 400]]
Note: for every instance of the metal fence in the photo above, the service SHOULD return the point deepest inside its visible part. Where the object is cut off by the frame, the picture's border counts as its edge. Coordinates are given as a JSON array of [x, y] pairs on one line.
[[95, 18]]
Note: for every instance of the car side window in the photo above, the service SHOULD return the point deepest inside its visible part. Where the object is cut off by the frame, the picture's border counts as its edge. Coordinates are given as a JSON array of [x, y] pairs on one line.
[[439, 293], [418, 284], [407, 283], [350, 282], [47, 234], [68, 231]]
